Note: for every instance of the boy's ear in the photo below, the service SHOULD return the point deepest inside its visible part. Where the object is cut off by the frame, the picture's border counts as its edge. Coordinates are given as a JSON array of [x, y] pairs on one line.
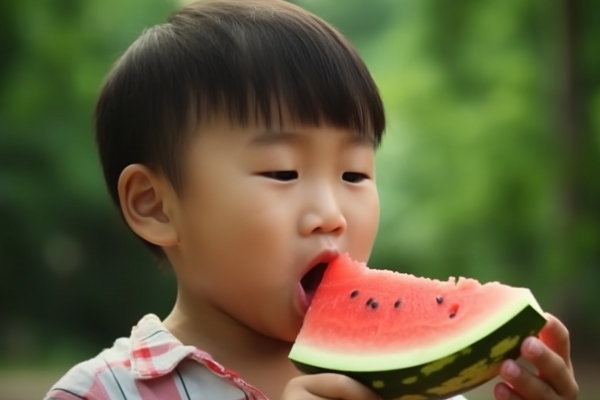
[[144, 197]]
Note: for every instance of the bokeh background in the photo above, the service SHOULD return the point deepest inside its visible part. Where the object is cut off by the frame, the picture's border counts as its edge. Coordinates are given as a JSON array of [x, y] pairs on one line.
[[490, 166]]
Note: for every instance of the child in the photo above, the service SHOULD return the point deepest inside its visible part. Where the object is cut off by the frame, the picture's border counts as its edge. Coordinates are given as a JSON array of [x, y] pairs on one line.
[[238, 141]]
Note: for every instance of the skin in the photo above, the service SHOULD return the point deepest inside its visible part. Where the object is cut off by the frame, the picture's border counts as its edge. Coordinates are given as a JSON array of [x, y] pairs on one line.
[[255, 210], [550, 356]]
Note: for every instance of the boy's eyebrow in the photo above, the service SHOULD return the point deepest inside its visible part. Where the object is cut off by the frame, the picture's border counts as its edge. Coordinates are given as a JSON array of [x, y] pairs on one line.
[[273, 136]]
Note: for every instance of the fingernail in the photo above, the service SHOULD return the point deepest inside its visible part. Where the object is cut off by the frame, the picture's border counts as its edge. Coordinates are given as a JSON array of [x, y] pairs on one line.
[[533, 347], [503, 392], [511, 369]]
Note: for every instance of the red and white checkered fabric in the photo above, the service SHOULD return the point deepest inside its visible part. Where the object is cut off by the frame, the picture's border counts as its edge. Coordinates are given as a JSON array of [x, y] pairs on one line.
[[151, 365]]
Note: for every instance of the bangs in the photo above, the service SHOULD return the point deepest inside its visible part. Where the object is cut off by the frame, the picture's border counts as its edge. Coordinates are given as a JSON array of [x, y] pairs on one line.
[[255, 63]]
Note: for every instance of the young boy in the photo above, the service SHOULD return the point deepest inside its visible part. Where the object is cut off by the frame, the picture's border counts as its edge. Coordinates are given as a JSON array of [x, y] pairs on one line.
[[238, 141]]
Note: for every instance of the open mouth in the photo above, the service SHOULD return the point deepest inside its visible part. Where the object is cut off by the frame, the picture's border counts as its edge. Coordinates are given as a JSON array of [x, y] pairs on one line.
[[310, 282]]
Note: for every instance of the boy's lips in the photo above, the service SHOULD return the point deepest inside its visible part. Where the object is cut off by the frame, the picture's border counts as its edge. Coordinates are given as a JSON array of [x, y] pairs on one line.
[[325, 256], [313, 274]]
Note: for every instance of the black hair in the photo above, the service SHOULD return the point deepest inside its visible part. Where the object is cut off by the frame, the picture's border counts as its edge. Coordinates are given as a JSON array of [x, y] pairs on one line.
[[248, 59]]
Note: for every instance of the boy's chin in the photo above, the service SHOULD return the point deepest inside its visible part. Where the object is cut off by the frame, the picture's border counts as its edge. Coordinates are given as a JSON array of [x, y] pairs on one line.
[[285, 337]]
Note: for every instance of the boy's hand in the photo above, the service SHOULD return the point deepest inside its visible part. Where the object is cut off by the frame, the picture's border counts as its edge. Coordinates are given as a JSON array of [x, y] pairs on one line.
[[326, 386], [555, 379]]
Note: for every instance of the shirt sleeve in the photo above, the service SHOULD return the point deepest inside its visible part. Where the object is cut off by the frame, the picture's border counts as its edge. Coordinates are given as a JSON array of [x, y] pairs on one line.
[[79, 383]]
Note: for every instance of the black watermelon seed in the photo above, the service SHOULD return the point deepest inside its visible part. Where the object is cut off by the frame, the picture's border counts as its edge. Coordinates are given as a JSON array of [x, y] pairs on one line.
[[453, 314], [374, 304], [397, 303], [354, 294], [439, 299], [369, 301]]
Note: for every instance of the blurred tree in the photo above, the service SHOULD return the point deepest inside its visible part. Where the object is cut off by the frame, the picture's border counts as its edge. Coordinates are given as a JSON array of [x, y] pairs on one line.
[[71, 275]]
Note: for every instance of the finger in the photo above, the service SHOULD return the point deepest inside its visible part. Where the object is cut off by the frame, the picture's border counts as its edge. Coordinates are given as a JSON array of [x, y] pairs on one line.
[[552, 368], [292, 395], [556, 336], [295, 390], [504, 392], [335, 386], [525, 383]]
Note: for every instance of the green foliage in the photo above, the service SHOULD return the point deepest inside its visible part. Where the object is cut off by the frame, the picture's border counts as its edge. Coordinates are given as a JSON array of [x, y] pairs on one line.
[[488, 169]]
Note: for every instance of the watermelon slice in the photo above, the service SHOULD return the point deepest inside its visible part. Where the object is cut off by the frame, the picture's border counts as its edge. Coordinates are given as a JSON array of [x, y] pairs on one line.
[[412, 338]]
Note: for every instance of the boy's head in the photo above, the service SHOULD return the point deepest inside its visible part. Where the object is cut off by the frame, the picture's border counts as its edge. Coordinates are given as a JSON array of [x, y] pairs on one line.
[[242, 131], [247, 60]]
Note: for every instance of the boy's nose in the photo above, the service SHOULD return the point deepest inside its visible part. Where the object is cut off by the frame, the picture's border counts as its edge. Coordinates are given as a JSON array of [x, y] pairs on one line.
[[324, 216]]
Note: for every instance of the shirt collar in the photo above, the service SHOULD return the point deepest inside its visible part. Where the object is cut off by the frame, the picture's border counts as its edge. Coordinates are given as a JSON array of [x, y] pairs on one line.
[[155, 351]]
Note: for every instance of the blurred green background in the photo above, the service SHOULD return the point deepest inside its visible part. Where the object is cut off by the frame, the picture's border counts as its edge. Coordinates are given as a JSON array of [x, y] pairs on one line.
[[489, 167]]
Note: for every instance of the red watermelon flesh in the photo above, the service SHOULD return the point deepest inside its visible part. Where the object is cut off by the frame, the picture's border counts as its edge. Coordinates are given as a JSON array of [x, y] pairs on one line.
[[366, 312]]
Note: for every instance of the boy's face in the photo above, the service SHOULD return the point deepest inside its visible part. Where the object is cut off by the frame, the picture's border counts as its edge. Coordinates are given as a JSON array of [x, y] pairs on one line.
[[260, 209]]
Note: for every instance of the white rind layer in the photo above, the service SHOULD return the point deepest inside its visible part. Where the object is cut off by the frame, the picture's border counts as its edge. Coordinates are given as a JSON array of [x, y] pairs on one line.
[[406, 358]]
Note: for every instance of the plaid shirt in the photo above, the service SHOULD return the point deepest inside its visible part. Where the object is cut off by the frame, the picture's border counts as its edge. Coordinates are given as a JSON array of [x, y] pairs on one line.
[[153, 365]]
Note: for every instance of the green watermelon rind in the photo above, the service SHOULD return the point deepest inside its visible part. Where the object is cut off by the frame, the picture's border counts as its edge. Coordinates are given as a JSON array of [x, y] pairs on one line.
[[469, 363], [387, 360]]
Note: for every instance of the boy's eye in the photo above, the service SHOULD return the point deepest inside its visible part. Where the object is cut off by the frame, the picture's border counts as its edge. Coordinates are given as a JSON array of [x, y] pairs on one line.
[[281, 175], [354, 177]]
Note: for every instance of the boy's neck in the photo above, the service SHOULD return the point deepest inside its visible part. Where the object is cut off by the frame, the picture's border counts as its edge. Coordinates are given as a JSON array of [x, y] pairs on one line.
[[229, 342]]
